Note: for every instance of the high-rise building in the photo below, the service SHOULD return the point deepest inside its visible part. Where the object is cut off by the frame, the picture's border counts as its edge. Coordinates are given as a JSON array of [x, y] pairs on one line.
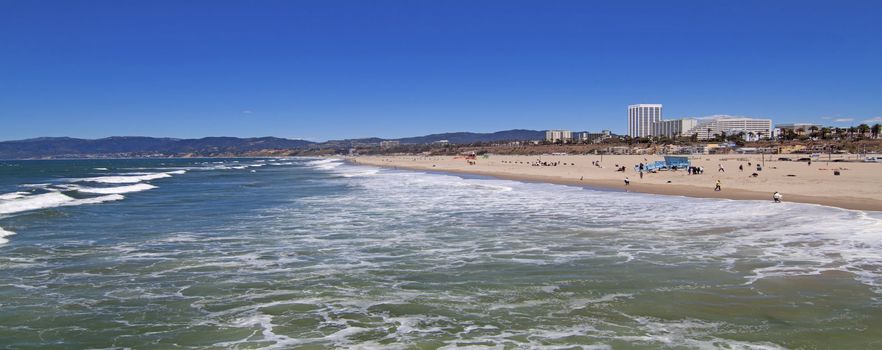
[[673, 128], [641, 117]]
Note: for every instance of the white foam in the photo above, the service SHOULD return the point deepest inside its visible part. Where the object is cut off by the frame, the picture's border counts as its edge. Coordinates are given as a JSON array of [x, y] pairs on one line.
[[775, 240], [322, 161], [325, 164], [34, 202], [49, 200], [13, 195], [4, 234], [117, 190], [95, 200], [101, 169], [131, 177], [359, 173], [34, 185]]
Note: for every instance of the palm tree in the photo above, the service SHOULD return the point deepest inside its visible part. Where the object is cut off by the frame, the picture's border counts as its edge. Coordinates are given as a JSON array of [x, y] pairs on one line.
[[825, 133], [814, 130], [876, 130], [863, 128]]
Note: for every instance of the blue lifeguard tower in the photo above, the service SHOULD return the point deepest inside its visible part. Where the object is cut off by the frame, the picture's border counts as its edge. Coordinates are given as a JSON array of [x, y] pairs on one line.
[[670, 162]]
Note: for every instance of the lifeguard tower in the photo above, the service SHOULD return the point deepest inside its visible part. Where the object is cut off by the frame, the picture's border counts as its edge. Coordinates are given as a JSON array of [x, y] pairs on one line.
[[670, 163]]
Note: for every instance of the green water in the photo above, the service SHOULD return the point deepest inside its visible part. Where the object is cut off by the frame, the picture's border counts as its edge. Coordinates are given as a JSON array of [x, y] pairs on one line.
[[317, 254]]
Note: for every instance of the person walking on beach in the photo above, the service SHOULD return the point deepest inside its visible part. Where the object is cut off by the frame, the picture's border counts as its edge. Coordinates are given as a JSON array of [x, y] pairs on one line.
[[641, 174], [721, 170], [718, 188], [627, 181], [777, 197], [740, 167]]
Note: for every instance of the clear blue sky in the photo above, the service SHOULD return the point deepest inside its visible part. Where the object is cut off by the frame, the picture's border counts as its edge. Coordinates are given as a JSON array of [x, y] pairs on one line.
[[338, 69]]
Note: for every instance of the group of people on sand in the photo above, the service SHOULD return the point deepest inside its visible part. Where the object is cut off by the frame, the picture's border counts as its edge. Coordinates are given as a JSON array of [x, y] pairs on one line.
[[539, 162], [718, 186], [695, 170]]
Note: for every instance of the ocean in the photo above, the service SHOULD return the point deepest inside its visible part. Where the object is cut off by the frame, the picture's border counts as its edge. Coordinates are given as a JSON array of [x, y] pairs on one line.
[[317, 253]]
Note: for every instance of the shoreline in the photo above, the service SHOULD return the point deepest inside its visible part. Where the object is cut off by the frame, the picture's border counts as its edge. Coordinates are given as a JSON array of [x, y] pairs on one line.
[[685, 190]]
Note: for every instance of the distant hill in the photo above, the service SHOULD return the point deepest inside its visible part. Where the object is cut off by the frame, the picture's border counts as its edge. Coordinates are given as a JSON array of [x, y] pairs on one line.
[[133, 146], [471, 137], [136, 145]]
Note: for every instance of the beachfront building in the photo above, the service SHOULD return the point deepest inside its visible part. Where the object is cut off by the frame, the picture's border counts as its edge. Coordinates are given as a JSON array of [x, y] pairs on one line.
[[592, 137], [558, 135], [799, 129], [641, 117], [753, 129], [674, 128], [389, 144]]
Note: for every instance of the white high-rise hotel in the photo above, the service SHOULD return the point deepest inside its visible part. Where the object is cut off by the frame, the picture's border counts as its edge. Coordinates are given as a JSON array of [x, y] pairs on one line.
[[641, 118]]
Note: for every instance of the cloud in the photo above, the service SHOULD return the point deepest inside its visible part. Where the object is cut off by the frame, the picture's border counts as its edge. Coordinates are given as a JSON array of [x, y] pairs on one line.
[[843, 120], [873, 120]]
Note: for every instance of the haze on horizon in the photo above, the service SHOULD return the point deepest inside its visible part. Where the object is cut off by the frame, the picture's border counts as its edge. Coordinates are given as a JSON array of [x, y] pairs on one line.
[[320, 70]]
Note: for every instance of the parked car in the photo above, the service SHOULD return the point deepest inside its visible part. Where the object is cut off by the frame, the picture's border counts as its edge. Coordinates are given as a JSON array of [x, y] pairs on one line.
[[873, 159]]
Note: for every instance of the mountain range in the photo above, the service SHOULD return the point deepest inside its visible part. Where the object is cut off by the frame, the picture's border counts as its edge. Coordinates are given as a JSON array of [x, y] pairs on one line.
[[125, 146]]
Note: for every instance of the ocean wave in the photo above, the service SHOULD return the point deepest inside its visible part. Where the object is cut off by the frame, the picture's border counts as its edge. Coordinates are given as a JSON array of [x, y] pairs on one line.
[[322, 161], [13, 195], [325, 164], [130, 177], [4, 234], [50, 200], [116, 190]]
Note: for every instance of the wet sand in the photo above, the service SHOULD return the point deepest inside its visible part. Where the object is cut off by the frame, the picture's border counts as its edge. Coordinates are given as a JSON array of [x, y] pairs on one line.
[[859, 185]]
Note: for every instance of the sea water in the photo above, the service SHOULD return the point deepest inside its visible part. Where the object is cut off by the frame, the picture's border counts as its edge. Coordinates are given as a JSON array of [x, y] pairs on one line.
[[316, 253]]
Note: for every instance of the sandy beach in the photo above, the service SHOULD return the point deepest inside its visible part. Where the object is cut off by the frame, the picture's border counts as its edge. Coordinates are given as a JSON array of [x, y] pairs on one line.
[[858, 185]]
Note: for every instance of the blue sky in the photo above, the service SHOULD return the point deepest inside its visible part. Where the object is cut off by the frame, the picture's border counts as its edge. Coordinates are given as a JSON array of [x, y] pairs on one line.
[[339, 69]]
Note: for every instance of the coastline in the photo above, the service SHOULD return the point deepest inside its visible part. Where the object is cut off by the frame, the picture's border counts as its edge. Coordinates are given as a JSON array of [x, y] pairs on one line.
[[605, 183]]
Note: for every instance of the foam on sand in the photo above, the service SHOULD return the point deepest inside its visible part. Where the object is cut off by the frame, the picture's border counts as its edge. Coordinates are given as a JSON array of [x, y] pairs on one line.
[[117, 190]]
